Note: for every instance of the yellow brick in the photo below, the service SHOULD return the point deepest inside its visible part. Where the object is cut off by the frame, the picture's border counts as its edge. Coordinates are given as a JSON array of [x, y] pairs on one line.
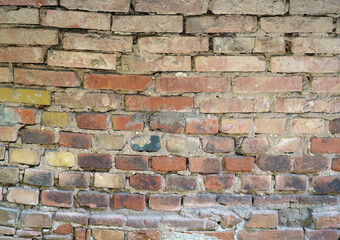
[[55, 119], [32, 96], [60, 159], [109, 180], [24, 156]]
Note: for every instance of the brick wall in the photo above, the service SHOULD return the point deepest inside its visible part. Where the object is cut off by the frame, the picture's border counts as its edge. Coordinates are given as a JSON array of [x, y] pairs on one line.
[[158, 119]]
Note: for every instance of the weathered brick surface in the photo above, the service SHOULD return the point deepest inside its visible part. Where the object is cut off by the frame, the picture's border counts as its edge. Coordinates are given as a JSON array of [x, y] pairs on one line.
[[157, 119]]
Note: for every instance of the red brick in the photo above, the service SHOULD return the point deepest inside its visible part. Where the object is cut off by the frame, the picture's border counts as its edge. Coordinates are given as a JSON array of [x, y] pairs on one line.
[[19, 16], [236, 125], [94, 101], [127, 123], [75, 19], [103, 6], [95, 161], [317, 199], [199, 201], [8, 134], [237, 104], [291, 182], [230, 219], [147, 64], [287, 234], [299, 105], [256, 182], [229, 64], [33, 3], [165, 202], [336, 164], [255, 145], [221, 24], [176, 7], [37, 136], [274, 163], [82, 234], [325, 145], [207, 125], [168, 164], [315, 45], [327, 234], [324, 220], [326, 184], [309, 64], [180, 183], [129, 201], [219, 182], [22, 54], [147, 23], [177, 44], [143, 103], [19, 115], [144, 235], [296, 24], [205, 165], [239, 163], [174, 221], [263, 219], [310, 164], [232, 199], [54, 198], [326, 84], [82, 59], [75, 140], [143, 221], [74, 179], [131, 162], [146, 182], [218, 144], [190, 84], [117, 82], [26, 36], [93, 199], [94, 121], [268, 84], [64, 229], [46, 77], [274, 199]]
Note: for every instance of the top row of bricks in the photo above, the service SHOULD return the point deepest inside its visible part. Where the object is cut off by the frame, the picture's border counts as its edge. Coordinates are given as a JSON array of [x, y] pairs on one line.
[[192, 7]]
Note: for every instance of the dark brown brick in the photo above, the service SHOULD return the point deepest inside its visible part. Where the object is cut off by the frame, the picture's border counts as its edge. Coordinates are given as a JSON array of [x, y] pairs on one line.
[[233, 199], [74, 179], [129, 201], [95, 161], [334, 126], [93, 199], [75, 140], [219, 182], [146, 182], [317, 199], [180, 183], [291, 182], [165, 202], [57, 198], [39, 177], [35, 136], [131, 162], [310, 164], [326, 184], [274, 163]]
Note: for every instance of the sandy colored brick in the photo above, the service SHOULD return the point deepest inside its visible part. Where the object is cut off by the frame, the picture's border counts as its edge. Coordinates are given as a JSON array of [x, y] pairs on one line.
[[75, 19], [326, 84], [233, 45], [110, 142], [316, 45], [19, 16], [147, 24], [269, 45], [236, 126], [31, 96], [34, 3], [263, 219], [24, 156], [103, 234], [27, 36], [96, 42], [319, 7], [9, 175], [255, 145], [8, 134], [4, 74], [182, 144], [60, 159], [54, 119], [109, 180], [267, 125], [259, 7], [173, 44], [145, 64], [229, 64], [221, 24], [23, 196], [102, 6], [296, 24], [22, 54], [82, 60], [308, 125], [288, 145]]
